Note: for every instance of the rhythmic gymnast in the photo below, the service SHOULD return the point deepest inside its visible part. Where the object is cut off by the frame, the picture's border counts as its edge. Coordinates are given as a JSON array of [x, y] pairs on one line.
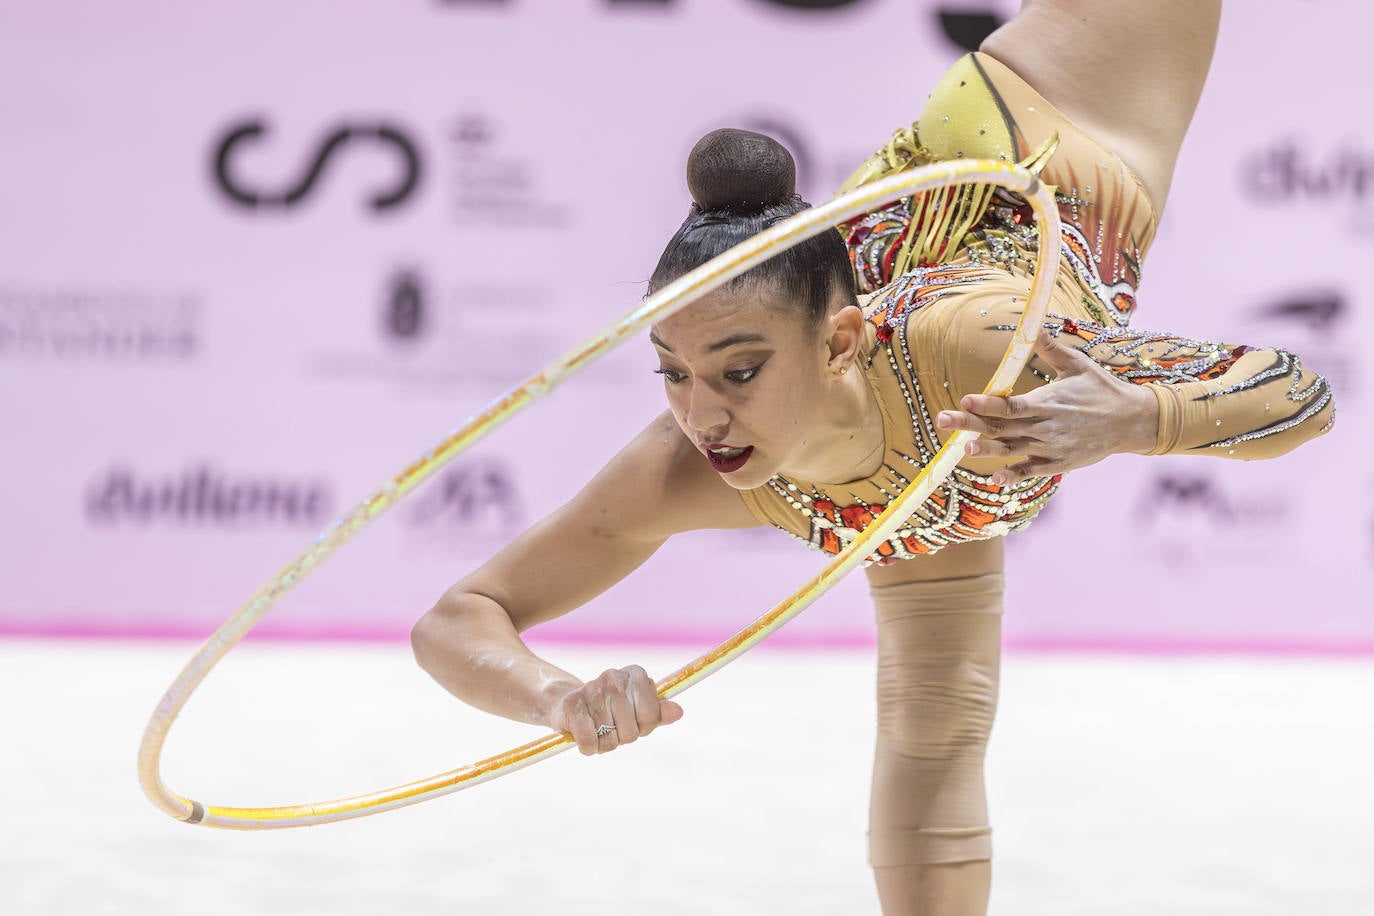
[[807, 392]]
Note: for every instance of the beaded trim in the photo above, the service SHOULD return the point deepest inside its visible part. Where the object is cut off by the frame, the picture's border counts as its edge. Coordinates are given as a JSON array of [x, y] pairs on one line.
[[966, 507]]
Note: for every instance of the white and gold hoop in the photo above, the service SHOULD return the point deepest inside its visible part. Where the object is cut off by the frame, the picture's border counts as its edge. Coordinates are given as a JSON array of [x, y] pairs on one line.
[[657, 307]]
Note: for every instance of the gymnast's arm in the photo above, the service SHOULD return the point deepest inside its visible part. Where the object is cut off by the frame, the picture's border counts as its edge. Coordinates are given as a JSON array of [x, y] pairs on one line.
[[469, 641], [1187, 398]]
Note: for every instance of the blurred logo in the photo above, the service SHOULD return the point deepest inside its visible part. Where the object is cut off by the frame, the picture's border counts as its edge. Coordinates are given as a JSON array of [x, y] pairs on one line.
[[1175, 495], [966, 28], [814, 4], [1317, 311], [105, 325], [339, 141], [205, 495], [431, 336], [496, 183], [477, 498], [1289, 173], [1182, 515], [404, 317], [803, 5], [1318, 314]]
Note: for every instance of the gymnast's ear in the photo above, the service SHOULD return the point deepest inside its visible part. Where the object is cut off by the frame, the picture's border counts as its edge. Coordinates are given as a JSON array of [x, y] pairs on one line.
[[844, 336]]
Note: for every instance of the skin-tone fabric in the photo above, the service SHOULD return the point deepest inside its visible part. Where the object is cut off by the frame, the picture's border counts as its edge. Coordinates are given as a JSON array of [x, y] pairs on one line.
[[938, 662]]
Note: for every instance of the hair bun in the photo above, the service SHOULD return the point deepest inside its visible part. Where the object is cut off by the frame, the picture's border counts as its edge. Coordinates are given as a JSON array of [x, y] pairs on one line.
[[740, 171]]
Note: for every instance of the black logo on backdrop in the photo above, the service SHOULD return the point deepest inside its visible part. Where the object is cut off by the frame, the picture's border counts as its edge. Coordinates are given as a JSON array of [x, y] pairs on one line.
[[966, 29], [494, 182], [106, 325], [806, 5], [1171, 498], [1321, 314], [810, 5], [204, 495], [405, 317], [388, 138], [1289, 171], [476, 497], [1318, 311]]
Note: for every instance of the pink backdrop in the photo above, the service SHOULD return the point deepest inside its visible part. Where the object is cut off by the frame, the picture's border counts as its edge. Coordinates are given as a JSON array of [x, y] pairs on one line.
[[255, 257]]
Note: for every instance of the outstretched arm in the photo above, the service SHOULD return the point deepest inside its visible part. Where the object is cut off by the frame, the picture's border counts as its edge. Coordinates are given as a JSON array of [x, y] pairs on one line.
[[1188, 397], [469, 642]]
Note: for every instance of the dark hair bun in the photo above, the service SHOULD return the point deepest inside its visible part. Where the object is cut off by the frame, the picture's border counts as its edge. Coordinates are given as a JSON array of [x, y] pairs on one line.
[[739, 171]]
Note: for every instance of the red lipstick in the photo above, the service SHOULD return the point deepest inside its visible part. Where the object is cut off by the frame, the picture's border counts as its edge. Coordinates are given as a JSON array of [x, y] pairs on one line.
[[725, 459]]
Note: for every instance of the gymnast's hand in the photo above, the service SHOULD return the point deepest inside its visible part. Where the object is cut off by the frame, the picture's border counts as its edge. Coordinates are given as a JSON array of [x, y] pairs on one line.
[[1078, 419], [622, 704]]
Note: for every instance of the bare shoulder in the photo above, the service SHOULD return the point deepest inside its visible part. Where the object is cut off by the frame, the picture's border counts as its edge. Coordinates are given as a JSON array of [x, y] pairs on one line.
[[660, 485], [1130, 74]]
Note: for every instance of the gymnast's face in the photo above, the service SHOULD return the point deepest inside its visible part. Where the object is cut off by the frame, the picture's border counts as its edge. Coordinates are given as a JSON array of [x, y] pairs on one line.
[[745, 378]]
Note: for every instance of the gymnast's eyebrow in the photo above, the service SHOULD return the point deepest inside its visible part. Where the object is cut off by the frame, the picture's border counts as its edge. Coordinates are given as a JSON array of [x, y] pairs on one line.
[[719, 345]]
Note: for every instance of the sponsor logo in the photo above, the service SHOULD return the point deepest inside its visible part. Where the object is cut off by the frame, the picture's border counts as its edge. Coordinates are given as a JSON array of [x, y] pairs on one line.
[[433, 336], [1288, 172], [205, 495], [340, 140], [1183, 517], [802, 5], [104, 325], [1171, 497], [966, 28], [404, 316], [1318, 314], [476, 499], [1318, 311], [493, 182]]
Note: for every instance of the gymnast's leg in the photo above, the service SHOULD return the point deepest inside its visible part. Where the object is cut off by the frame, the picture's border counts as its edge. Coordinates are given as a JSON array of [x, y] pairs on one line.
[[939, 649]]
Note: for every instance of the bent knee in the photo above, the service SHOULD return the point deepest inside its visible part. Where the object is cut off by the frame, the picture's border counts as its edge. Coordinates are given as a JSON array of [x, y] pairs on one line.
[[933, 714]]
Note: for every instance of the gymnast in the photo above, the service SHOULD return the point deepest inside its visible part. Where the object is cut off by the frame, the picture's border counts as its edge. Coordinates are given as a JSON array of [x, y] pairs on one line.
[[807, 392]]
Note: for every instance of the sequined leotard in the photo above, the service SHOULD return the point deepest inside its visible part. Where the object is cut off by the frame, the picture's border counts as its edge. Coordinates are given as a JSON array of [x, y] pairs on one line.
[[946, 275]]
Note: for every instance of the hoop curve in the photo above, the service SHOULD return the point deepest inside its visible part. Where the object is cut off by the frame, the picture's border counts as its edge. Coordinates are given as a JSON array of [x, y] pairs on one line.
[[657, 307]]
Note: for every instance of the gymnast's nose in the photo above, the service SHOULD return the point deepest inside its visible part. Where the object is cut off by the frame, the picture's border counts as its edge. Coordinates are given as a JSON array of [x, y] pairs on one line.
[[706, 412]]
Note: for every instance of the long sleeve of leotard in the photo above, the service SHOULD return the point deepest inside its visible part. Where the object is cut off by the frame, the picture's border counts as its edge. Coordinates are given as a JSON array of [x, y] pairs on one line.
[[1214, 399]]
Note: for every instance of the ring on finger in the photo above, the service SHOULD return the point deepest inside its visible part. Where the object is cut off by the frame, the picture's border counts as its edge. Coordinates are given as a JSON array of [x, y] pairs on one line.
[[603, 730]]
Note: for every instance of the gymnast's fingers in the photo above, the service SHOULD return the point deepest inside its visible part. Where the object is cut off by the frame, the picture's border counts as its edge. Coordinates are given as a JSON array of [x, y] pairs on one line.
[[1062, 358], [644, 698], [1004, 447], [992, 407], [622, 710], [958, 419], [650, 711], [1024, 470], [599, 694], [573, 717], [985, 415]]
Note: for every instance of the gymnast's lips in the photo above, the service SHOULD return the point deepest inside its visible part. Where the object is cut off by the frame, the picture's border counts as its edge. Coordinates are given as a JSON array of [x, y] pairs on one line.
[[727, 458]]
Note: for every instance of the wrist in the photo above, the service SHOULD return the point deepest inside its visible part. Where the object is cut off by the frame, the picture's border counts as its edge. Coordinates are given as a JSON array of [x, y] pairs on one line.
[[1144, 437], [552, 692]]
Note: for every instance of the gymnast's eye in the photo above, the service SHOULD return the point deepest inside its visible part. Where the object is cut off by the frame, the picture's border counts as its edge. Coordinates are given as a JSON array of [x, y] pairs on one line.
[[743, 376], [672, 375]]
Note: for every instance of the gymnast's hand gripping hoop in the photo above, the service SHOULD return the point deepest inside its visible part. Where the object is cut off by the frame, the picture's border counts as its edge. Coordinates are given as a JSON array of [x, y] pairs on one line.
[[666, 302]]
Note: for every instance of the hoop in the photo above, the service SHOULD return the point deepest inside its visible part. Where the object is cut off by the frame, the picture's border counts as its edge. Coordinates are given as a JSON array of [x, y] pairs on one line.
[[657, 307]]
